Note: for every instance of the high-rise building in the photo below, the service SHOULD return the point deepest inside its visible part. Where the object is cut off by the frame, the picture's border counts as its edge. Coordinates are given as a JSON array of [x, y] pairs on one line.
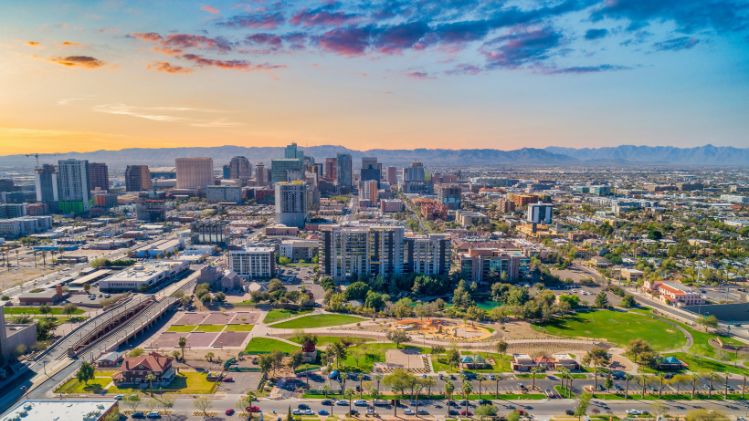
[[392, 177], [540, 213], [427, 254], [488, 265], [414, 178], [137, 178], [226, 172], [260, 176], [74, 188], [45, 181], [240, 167], [370, 191], [330, 168], [280, 169], [193, 173], [344, 170], [216, 194], [361, 250], [291, 152], [291, 204], [7, 185], [370, 170], [253, 262], [449, 195], [98, 174]]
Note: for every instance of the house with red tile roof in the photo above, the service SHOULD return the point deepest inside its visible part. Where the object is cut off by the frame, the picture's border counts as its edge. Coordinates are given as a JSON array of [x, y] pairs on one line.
[[135, 370]]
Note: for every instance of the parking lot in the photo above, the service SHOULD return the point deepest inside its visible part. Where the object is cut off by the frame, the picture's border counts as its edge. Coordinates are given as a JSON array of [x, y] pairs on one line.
[[242, 381]]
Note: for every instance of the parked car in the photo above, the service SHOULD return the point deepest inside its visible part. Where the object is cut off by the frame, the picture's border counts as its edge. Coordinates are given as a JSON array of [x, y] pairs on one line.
[[153, 415], [633, 412], [409, 412], [309, 412], [569, 412], [485, 402], [466, 413], [303, 406], [252, 409], [297, 412], [322, 412], [360, 402], [137, 414], [326, 402], [229, 411], [228, 379], [422, 412], [341, 402], [371, 411], [333, 374], [119, 397]]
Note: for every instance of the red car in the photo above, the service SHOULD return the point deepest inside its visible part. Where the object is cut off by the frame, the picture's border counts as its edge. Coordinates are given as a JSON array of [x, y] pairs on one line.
[[469, 413], [229, 411], [228, 379], [252, 409]]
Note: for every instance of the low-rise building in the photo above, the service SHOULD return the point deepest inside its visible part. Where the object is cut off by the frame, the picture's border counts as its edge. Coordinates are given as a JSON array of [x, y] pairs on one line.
[[219, 279], [298, 249], [600, 262], [135, 371], [391, 206], [481, 264], [522, 362], [467, 219], [632, 274], [158, 249], [62, 410], [143, 275]]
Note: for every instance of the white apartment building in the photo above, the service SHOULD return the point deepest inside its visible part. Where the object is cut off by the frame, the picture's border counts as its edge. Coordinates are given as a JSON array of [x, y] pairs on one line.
[[253, 262]]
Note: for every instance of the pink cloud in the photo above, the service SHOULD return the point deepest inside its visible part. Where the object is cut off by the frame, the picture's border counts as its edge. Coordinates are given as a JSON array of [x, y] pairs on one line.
[[210, 9]]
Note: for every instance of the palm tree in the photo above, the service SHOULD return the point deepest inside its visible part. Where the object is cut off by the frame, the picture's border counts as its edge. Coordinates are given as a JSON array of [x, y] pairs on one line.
[[44, 257], [35, 263], [17, 264], [498, 378], [725, 393], [209, 356], [150, 379], [375, 395], [326, 390], [182, 344], [711, 375], [627, 377], [694, 378], [449, 388], [251, 397], [643, 380], [480, 378], [466, 390], [429, 383], [378, 378], [661, 377], [349, 394], [743, 386], [360, 377], [534, 370]]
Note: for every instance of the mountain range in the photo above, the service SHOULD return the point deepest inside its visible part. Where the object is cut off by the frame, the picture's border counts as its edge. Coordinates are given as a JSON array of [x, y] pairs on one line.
[[708, 155]]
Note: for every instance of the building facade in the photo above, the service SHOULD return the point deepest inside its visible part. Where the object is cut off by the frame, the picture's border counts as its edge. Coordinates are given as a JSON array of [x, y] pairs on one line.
[[427, 254], [216, 194], [74, 188], [344, 170], [488, 265], [260, 176], [98, 174], [240, 167], [291, 204], [392, 176], [193, 173], [45, 181], [253, 262], [449, 195], [281, 169], [539, 213], [137, 178], [330, 169]]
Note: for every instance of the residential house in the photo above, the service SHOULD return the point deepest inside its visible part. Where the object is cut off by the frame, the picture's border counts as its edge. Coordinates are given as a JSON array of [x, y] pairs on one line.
[[135, 371]]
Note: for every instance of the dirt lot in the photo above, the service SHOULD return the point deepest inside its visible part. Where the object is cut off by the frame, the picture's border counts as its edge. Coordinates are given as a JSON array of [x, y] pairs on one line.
[[9, 279]]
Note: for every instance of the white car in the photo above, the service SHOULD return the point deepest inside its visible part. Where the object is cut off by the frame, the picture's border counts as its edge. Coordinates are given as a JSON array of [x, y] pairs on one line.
[[360, 402], [409, 412], [371, 411], [634, 412]]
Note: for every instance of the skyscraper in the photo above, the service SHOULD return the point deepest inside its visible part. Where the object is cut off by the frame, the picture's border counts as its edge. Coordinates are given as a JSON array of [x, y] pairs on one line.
[[98, 176], [280, 169], [137, 178], [392, 176], [74, 188], [260, 179], [240, 167], [367, 161], [344, 170], [330, 168], [414, 178], [194, 172], [226, 172], [45, 180], [291, 152], [291, 204], [370, 170]]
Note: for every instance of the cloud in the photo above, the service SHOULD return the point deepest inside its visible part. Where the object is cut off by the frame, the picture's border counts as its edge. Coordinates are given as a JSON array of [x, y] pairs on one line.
[[122, 109], [321, 17], [465, 69], [231, 64], [255, 20], [163, 66], [70, 44], [210, 9], [585, 69], [523, 45], [592, 34], [419, 75], [688, 15], [394, 39], [350, 41], [274, 41], [175, 43], [103, 30], [34, 44], [676, 44], [222, 122], [80, 61]]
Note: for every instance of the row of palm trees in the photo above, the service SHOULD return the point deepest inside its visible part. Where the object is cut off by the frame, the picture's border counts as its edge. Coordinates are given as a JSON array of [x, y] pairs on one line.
[[43, 253]]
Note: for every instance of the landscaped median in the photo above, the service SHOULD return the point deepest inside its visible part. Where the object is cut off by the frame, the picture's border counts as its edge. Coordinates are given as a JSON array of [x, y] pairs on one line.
[[385, 395], [186, 382], [268, 345]]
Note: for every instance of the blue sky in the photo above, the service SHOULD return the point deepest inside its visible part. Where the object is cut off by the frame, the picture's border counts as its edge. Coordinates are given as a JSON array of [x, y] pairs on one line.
[[84, 75]]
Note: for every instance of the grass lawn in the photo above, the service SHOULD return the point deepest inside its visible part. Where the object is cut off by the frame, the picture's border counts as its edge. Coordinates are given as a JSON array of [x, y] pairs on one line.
[[35, 310], [578, 376], [239, 328], [701, 345], [74, 386], [323, 320], [697, 364], [375, 353], [488, 305], [617, 327], [538, 376], [278, 315], [268, 345], [181, 328], [501, 362], [327, 340], [187, 382], [104, 373], [563, 391], [210, 328], [439, 363]]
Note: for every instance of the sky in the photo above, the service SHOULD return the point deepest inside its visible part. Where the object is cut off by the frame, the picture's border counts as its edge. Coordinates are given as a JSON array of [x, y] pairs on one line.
[[391, 74]]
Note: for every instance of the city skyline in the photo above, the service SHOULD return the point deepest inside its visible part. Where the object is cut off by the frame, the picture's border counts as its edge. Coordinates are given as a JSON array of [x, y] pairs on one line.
[[84, 76]]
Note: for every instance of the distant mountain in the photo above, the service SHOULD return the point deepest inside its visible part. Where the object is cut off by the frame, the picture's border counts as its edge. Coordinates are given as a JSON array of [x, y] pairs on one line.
[[222, 155], [658, 155]]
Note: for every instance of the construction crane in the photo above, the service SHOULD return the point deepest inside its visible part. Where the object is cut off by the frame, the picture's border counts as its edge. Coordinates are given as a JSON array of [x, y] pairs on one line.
[[36, 155]]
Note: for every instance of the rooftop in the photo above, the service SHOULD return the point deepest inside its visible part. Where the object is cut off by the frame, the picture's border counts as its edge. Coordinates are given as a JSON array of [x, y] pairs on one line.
[[67, 410]]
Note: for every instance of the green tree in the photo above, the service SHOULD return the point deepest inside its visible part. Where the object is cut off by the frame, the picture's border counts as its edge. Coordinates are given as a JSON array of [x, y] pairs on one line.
[[398, 337], [602, 300], [202, 404], [150, 379], [69, 309], [349, 394], [133, 401], [628, 301], [582, 404], [398, 381], [137, 352], [85, 373], [182, 343]]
